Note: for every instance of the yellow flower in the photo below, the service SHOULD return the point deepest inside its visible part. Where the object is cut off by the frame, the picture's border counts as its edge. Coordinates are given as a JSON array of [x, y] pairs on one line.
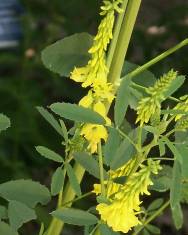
[[118, 216], [96, 69], [93, 134], [182, 106], [121, 214], [151, 105], [104, 90], [147, 107], [100, 108], [87, 100]]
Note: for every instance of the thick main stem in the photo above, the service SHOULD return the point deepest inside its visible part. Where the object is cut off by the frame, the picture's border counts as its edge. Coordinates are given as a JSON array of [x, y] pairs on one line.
[[56, 225], [116, 32], [152, 217], [118, 53], [123, 40]]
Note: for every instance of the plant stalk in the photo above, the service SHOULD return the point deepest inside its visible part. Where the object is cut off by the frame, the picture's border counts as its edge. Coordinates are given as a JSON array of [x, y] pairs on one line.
[[116, 32], [152, 217], [117, 56], [56, 225], [158, 58], [123, 40]]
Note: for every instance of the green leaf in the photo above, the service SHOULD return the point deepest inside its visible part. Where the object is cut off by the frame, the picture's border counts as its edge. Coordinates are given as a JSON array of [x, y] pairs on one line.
[[4, 122], [161, 148], [151, 129], [105, 230], [3, 212], [183, 150], [5, 229], [155, 204], [177, 216], [175, 189], [145, 232], [89, 163], [122, 101], [25, 191], [181, 137], [135, 97], [111, 145], [41, 232], [75, 216], [123, 154], [65, 132], [49, 154], [77, 113], [62, 56], [162, 181], [73, 180], [175, 85], [53, 122], [173, 148], [57, 181], [153, 229], [19, 214], [184, 193]]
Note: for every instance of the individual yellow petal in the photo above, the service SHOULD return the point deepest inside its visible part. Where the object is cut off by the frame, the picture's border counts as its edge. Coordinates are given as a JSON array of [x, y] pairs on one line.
[[79, 74], [100, 108], [87, 100]]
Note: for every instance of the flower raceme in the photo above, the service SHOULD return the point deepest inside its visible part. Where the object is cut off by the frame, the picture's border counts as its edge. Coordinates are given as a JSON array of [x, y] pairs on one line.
[[182, 106], [121, 213], [95, 73], [151, 105], [96, 70]]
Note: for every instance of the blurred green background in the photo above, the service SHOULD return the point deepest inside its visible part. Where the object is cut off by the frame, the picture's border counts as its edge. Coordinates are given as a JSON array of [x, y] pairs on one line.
[[25, 83]]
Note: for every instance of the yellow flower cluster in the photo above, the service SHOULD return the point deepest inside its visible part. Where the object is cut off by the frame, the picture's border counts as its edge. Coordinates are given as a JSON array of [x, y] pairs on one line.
[[121, 213], [94, 74], [182, 106], [111, 186], [151, 105]]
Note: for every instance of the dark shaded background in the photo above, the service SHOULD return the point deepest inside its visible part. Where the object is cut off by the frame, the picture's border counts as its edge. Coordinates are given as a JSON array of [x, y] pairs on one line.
[[25, 83]]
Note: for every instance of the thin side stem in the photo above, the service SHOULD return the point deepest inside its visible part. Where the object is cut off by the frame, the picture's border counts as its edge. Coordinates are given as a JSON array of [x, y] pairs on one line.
[[103, 193], [128, 138], [152, 217], [158, 58]]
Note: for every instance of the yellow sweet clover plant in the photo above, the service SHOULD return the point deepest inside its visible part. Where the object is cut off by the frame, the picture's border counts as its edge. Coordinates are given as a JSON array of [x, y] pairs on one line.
[[121, 160], [129, 161]]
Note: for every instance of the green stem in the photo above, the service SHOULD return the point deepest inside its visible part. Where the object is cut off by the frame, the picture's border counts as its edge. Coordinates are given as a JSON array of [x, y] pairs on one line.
[[123, 40], [77, 199], [122, 43], [158, 58], [56, 225], [152, 217], [116, 34], [162, 158], [129, 139], [101, 170]]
